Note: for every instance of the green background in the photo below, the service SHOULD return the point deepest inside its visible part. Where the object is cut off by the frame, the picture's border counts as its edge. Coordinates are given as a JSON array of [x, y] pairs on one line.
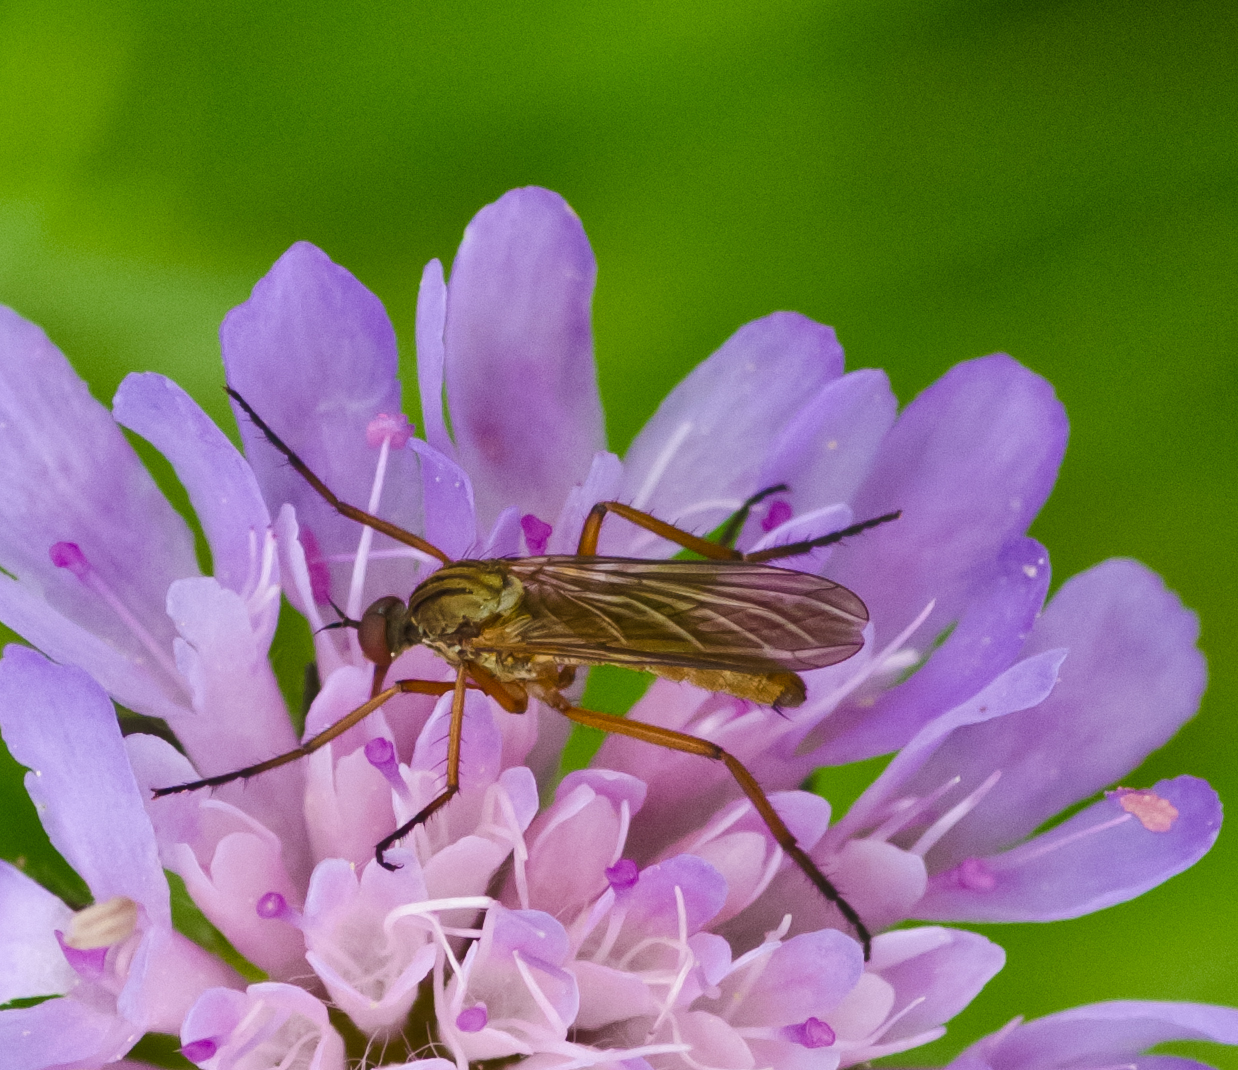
[[936, 180]]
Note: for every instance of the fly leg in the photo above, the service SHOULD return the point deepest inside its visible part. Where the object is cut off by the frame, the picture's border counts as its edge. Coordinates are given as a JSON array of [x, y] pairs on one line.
[[341, 507], [716, 551], [681, 741], [506, 695], [400, 687]]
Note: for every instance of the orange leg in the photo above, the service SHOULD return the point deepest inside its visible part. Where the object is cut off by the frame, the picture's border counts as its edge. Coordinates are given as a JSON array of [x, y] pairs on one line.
[[681, 741], [400, 687], [343, 508], [715, 551]]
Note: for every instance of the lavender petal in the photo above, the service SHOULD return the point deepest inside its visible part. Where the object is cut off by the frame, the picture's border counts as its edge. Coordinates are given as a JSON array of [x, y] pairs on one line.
[[1100, 856], [518, 327], [58, 723], [969, 462]]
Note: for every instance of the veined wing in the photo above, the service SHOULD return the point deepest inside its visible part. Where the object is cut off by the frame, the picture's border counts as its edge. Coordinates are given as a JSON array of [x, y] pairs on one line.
[[728, 615]]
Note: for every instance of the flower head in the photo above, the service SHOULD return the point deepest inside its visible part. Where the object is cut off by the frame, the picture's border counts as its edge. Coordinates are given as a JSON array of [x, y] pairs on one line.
[[639, 911]]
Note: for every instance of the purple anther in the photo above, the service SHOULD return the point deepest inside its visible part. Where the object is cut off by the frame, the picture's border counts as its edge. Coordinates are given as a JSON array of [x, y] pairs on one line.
[[381, 754], [89, 964], [198, 1051], [69, 555], [386, 427], [274, 906], [472, 1020], [536, 533], [973, 874], [623, 874], [778, 513], [810, 1033], [319, 570]]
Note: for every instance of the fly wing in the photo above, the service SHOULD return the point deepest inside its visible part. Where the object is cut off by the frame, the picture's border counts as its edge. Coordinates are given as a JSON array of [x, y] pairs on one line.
[[728, 615]]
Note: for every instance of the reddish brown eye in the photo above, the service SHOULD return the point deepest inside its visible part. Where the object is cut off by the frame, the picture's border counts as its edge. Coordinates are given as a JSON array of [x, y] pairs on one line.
[[372, 632]]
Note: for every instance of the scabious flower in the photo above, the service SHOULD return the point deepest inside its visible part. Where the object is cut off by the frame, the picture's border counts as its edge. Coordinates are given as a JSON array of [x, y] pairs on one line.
[[637, 912]]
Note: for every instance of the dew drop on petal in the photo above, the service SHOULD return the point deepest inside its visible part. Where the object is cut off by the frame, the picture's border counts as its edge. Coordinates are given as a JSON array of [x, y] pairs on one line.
[[1154, 813], [473, 1019]]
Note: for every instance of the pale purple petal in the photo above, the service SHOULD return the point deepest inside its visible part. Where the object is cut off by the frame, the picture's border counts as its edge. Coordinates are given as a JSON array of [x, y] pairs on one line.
[[431, 323], [221, 486], [521, 386], [807, 975], [709, 438], [63, 1032], [240, 717], [989, 635], [166, 976], [448, 494], [31, 962], [1101, 1034], [59, 724], [1023, 686], [650, 908], [945, 968], [313, 352], [601, 484], [1100, 856], [125, 670], [265, 1025], [829, 446], [969, 463], [70, 476], [1132, 677]]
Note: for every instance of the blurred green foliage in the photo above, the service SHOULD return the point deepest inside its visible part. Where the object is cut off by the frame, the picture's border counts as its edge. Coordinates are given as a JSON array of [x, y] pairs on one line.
[[936, 180]]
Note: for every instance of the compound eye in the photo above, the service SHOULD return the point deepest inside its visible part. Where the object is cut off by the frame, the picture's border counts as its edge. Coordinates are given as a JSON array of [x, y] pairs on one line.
[[373, 633]]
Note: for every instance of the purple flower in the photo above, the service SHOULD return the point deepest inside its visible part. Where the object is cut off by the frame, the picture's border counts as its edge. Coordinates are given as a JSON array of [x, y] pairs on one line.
[[645, 916]]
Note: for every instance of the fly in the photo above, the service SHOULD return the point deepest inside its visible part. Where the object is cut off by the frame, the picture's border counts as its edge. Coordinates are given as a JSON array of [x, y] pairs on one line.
[[518, 628]]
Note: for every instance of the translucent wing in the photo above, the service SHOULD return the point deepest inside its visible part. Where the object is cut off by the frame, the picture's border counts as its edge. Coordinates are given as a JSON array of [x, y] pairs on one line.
[[728, 615]]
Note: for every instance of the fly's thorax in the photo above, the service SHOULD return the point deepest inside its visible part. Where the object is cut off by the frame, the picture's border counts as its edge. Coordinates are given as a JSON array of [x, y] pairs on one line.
[[455, 603]]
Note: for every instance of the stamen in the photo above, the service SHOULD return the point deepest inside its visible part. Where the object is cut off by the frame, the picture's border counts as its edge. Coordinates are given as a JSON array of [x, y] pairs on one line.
[[539, 997], [380, 753], [386, 428], [810, 1033], [536, 533], [686, 959], [953, 816], [473, 1019], [625, 824], [274, 907], [378, 433], [103, 924], [778, 513], [198, 1051], [907, 810], [658, 469], [623, 875], [69, 555]]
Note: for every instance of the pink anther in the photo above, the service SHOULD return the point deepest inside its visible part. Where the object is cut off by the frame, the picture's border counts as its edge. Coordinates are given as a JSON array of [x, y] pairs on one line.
[[472, 1019], [385, 427], [778, 513]]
